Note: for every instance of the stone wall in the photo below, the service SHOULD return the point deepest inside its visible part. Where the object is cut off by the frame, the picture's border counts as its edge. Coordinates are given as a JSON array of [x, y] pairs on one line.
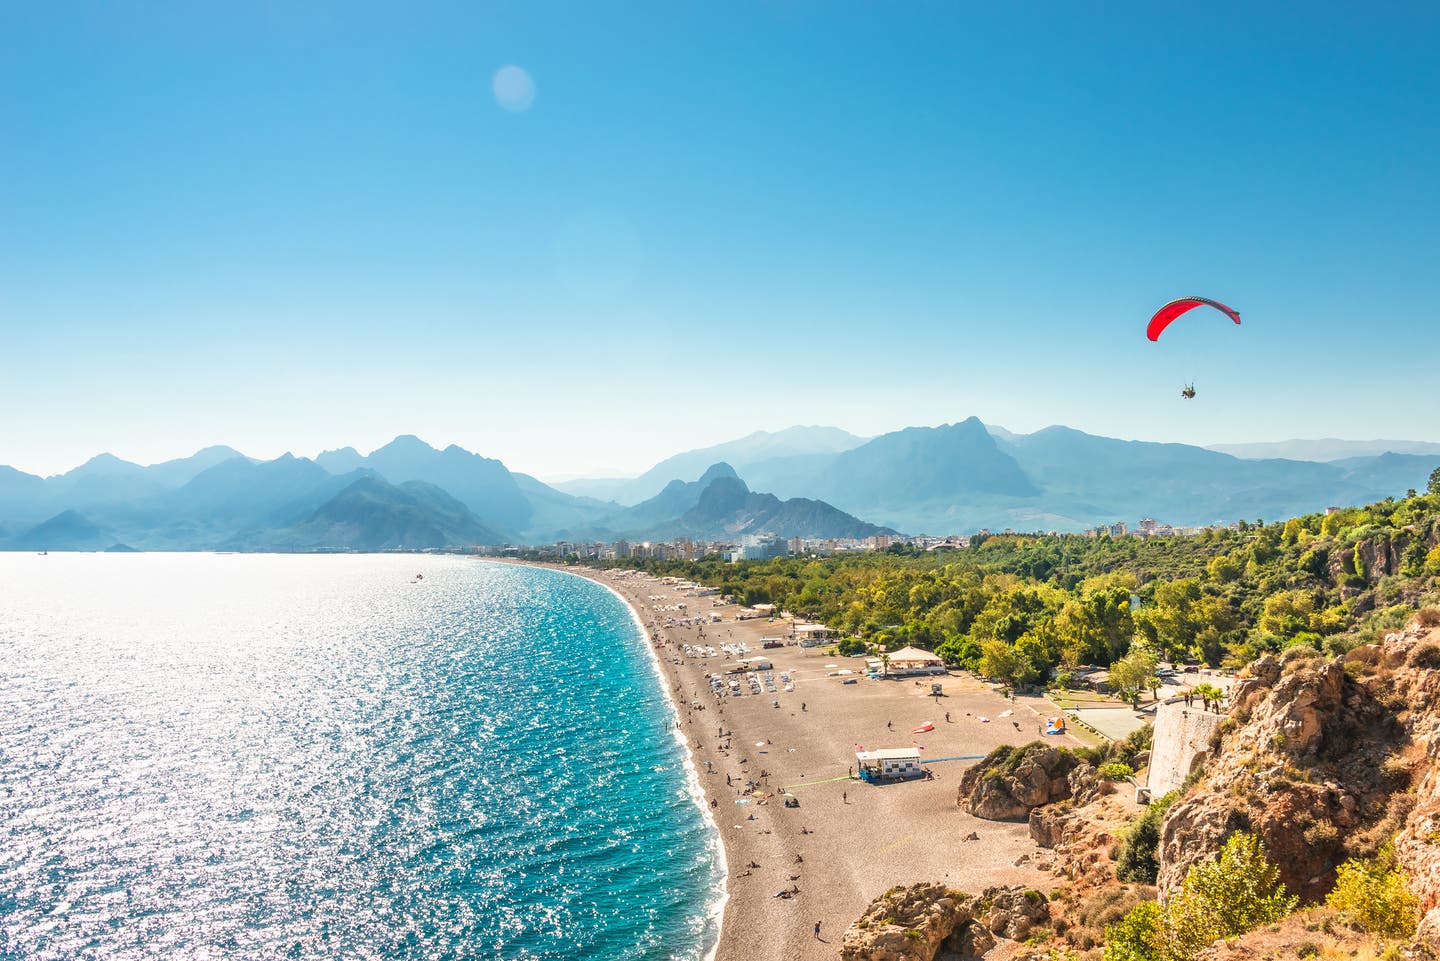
[[1182, 735]]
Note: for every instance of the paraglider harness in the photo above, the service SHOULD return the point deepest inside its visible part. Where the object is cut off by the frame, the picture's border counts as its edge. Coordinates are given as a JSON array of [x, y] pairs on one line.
[[1189, 392]]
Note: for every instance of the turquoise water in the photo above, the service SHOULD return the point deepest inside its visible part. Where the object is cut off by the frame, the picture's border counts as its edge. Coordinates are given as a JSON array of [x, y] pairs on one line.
[[241, 756]]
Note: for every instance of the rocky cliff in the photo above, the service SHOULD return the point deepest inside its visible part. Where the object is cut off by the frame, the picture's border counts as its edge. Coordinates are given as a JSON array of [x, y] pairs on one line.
[[1325, 760]]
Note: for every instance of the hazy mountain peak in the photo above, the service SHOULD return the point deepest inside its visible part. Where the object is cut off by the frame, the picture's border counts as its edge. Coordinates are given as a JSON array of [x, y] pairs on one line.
[[342, 460], [719, 469], [405, 444], [106, 463], [108, 460]]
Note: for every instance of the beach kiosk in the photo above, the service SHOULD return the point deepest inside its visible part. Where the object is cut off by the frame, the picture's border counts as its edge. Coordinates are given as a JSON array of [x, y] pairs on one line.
[[889, 764], [813, 635], [912, 660]]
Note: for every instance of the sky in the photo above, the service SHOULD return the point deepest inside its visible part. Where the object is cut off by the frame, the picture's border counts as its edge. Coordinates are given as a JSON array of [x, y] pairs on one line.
[[582, 237]]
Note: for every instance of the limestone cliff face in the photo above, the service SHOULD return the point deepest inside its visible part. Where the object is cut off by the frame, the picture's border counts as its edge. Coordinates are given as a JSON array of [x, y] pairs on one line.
[[1319, 757]]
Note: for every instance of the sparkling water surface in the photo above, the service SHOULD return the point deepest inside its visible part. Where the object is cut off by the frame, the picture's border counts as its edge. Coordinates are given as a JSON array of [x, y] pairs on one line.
[[269, 756]]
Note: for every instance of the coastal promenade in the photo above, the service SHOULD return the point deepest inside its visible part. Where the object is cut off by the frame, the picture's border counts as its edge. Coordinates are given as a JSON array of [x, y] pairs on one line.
[[847, 842]]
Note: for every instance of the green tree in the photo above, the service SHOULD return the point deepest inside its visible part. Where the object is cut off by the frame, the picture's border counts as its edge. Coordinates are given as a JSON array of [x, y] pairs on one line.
[[1136, 936], [1225, 569], [1237, 892], [1287, 614], [1372, 893], [1132, 674], [1139, 857], [1434, 486], [1002, 662], [1173, 615]]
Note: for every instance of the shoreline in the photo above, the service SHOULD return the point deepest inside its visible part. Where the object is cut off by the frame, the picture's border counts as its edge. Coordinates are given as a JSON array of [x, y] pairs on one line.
[[848, 841], [715, 910]]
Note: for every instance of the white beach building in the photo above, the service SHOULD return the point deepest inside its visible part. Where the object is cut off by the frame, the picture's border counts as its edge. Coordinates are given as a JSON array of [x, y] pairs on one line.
[[813, 635], [889, 764]]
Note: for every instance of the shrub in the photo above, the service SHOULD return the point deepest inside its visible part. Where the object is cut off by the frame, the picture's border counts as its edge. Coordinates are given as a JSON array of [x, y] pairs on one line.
[[1138, 859], [1372, 894], [1116, 771], [1426, 656], [1136, 936], [1237, 892]]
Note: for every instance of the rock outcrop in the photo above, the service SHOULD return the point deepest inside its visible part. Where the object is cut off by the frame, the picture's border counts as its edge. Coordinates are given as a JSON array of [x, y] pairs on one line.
[[930, 922], [1325, 760], [1011, 781]]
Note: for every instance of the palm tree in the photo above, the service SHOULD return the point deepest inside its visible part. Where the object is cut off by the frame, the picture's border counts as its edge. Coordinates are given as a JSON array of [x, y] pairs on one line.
[[884, 663], [1209, 694]]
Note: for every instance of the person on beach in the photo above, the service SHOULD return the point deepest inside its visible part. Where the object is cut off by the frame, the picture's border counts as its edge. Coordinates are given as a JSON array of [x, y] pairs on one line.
[[817, 930]]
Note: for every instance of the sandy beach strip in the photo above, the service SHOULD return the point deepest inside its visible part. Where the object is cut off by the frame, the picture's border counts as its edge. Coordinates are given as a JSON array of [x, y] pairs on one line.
[[847, 842]]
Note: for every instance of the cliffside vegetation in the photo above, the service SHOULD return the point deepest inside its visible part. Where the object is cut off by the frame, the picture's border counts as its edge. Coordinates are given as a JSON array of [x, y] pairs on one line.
[[1025, 608]]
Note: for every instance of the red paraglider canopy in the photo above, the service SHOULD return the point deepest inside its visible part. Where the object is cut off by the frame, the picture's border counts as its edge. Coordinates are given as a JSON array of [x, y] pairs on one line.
[[1175, 308]]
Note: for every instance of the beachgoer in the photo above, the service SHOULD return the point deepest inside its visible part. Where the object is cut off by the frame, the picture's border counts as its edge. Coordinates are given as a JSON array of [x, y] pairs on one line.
[[802, 705], [817, 930], [844, 797], [947, 717], [889, 725]]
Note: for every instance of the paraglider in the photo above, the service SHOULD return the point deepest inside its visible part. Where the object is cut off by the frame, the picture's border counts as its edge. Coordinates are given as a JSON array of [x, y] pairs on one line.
[[1167, 314]]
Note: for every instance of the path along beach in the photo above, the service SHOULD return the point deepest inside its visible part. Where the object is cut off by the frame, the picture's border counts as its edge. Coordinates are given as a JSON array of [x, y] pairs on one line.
[[847, 842]]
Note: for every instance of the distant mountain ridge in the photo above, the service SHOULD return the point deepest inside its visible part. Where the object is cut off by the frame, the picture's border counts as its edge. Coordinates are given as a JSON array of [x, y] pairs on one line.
[[371, 514], [404, 495], [1326, 449], [955, 478], [821, 482], [724, 508], [740, 454]]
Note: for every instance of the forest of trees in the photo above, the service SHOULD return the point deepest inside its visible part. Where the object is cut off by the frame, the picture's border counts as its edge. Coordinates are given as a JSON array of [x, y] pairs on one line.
[[1025, 608]]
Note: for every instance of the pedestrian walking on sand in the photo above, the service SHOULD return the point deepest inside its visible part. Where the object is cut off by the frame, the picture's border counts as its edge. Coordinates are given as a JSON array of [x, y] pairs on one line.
[[844, 797], [817, 930]]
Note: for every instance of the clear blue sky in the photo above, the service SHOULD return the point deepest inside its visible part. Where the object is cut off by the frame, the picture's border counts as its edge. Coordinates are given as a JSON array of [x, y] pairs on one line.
[[291, 226]]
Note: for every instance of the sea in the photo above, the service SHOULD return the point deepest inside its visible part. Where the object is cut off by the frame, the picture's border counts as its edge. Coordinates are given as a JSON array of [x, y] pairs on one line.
[[240, 756]]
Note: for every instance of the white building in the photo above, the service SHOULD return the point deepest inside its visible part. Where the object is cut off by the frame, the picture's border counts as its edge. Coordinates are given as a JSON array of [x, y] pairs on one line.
[[889, 764]]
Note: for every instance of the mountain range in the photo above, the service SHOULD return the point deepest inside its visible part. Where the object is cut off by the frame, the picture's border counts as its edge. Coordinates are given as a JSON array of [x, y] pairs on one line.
[[963, 476], [817, 482]]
